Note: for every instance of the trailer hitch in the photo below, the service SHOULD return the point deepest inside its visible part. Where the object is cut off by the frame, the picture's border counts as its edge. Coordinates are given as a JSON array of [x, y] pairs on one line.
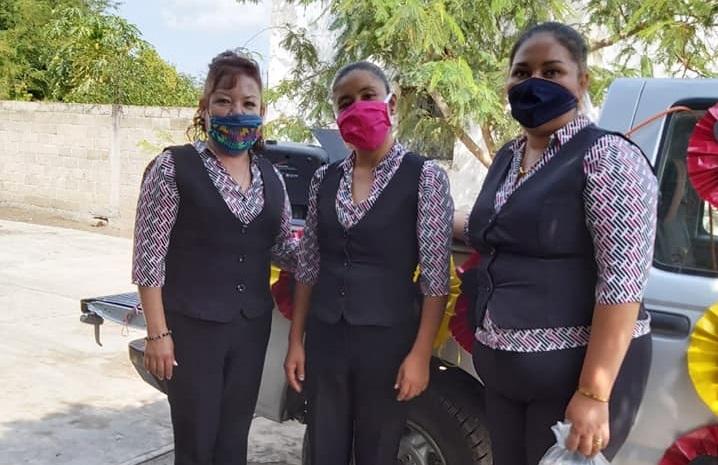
[[92, 318]]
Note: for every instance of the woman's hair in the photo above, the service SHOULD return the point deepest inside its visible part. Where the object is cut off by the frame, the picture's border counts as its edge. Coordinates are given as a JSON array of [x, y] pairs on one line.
[[567, 36], [229, 63], [361, 66]]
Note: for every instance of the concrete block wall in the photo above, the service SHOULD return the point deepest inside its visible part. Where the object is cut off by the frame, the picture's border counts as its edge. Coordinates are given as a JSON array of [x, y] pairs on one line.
[[86, 161], [82, 161]]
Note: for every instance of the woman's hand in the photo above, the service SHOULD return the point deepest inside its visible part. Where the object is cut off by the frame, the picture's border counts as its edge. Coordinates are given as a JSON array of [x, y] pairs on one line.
[[589, 425], [160, 357], [294, 365], [413, 377]]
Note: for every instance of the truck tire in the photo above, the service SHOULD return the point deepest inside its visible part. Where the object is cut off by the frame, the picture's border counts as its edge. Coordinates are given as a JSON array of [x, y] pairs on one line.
[[440, 431]]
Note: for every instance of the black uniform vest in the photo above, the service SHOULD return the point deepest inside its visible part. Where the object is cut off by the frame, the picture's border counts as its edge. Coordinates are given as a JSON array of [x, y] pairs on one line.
[[537, 267], [217, 266], [366, 272]]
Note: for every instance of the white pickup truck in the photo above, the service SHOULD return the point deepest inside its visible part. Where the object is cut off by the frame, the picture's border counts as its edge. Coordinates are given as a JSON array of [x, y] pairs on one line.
[[446, 425]]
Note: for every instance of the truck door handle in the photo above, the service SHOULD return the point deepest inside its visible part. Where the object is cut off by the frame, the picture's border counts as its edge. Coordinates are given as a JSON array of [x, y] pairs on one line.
[[671, 325]]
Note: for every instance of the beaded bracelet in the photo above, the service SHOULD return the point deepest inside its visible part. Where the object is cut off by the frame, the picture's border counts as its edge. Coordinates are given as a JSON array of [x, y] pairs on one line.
[[591, 395], [159, 336]]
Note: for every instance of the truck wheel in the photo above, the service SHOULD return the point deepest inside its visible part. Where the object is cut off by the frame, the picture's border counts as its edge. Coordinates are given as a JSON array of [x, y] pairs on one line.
[[443, 430], [439, 431]]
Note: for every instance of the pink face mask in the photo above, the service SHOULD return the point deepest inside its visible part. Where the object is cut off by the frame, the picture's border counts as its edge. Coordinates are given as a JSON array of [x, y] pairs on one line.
[[365, 123]]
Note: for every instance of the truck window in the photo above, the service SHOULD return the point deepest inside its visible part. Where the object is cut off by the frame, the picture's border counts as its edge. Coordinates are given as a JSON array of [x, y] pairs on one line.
[[687, 234]]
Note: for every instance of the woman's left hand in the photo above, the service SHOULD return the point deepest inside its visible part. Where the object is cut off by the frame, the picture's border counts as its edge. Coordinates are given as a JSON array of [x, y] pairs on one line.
[[589, 425], [413, 377]]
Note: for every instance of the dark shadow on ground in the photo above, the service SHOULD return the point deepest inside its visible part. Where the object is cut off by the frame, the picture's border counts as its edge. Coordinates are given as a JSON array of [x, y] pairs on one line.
[[79, 434]]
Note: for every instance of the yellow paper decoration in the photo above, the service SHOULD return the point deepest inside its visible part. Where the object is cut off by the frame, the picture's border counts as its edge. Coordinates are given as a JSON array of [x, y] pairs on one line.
[[703, 358], [274, 275], [454, 290]]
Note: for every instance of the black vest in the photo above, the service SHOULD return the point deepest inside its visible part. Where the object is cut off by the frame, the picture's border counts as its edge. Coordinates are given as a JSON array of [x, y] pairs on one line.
[[366, 272], [217, 266], [537, 268]]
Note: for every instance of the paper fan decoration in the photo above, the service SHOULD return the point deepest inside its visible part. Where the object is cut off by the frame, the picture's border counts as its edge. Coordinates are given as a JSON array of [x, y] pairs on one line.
[[696, 447], [702, 157], [703, 358], [281, 284], [444, 332], [460, 327]]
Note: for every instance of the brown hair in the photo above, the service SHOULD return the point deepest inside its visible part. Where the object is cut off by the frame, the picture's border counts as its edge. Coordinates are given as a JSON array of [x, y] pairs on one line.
[[229, 63]]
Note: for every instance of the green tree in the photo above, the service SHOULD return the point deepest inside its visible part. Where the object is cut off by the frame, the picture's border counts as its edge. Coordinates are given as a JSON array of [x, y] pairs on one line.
[[108, 62], [449, 57], [77, 51]]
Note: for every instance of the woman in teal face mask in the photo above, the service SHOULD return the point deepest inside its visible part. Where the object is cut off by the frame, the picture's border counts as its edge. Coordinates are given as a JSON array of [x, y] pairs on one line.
[[211, 217]]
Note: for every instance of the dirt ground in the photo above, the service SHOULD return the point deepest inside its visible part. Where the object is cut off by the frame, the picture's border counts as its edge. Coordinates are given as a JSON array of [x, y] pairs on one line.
[[49, 219], [65, 400]]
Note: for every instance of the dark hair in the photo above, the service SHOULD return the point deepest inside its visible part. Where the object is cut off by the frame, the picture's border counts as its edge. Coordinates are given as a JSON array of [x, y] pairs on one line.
[[361, 66], [230, 63], [567, 36]]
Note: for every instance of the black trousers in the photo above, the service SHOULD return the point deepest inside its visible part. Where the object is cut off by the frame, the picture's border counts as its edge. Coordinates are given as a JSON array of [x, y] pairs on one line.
[[351, 372], [527, 393], [214, 389]]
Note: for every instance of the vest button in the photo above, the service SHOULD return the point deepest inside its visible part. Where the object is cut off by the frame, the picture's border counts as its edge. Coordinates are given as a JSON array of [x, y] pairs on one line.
[[342, 292], [347, 264], [243, 229], [242, 258], [487, 289], [241, 287]]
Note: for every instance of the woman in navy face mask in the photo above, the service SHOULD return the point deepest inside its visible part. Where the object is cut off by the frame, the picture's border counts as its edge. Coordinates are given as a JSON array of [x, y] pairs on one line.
[[210, 218], [371, 219], [564, 223]]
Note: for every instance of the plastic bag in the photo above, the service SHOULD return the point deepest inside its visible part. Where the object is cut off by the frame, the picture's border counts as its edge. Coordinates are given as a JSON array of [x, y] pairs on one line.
[[558, 455]]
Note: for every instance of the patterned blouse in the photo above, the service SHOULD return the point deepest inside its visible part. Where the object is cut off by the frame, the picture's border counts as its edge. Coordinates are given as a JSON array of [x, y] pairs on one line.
[[620, 202], [158, 206], [434, 219]]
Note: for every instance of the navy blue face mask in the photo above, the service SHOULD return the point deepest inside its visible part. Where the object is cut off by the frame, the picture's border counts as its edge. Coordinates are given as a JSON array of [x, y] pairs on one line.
[[537, 101]]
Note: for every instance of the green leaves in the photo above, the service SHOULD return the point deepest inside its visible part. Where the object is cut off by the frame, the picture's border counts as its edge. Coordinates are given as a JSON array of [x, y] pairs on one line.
[[76, 51], [674, 34], [449, 58]]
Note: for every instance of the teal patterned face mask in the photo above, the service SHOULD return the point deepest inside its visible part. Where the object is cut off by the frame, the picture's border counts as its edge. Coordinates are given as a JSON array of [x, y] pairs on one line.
[[235, 134]]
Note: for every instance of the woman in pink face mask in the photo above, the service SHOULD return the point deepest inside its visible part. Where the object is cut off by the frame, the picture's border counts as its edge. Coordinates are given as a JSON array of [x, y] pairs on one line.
[[372, 219]]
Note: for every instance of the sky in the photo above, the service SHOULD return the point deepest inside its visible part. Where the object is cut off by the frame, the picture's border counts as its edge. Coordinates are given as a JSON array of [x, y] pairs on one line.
[[189, 33]]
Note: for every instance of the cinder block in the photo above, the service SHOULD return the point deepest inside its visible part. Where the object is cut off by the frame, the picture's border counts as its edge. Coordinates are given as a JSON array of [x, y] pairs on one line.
[[56, 155], [180, 125], [135, 123], [95, 154], [47, 149]]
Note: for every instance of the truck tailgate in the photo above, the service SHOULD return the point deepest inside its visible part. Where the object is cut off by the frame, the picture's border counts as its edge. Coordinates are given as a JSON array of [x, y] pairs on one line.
[[123, 309], [120, 308]]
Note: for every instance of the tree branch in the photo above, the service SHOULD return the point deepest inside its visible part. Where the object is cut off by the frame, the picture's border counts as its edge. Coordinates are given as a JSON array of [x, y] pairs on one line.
[[461, 133], [489, 140], [612, 40]]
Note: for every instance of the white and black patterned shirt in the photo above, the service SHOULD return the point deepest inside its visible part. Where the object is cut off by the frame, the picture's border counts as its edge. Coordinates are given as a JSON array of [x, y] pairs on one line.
[[434, 218], [159, 202], [620, 200]]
